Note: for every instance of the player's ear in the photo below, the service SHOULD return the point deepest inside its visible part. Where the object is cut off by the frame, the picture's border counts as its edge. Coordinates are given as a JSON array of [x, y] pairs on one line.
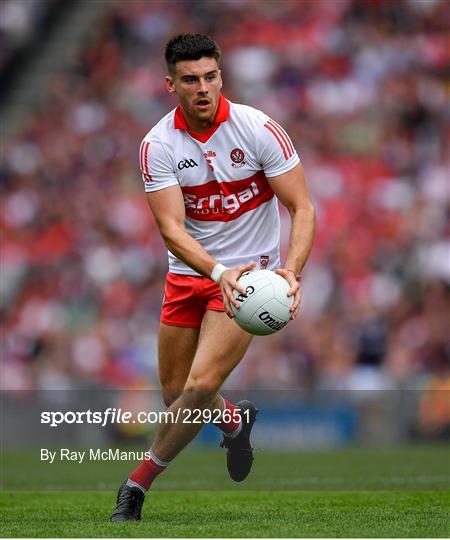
[[220, 78], [170, 85]]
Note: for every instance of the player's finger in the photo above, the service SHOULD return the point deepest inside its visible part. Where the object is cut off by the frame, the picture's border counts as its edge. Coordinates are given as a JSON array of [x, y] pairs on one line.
[[227, 307], [239, 287], [231, 299], [294, 288], [230, 285], [225, 301], [290, 278], [241, 270], [293, 291], [295, 305], [246, 268], [281, 272], [296, 310]]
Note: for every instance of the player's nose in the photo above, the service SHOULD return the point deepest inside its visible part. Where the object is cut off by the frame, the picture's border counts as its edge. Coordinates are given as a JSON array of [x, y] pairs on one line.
[[202, 89]]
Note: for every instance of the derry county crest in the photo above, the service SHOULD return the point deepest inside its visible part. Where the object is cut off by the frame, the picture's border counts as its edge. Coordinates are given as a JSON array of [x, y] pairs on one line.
[[237, 157]]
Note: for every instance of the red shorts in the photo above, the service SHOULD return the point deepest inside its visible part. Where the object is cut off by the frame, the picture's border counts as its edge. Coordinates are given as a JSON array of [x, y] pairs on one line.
[[186, 298]]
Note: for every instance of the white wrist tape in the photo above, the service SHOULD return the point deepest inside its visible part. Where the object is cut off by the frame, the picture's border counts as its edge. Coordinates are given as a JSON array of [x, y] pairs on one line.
[[217, 271]]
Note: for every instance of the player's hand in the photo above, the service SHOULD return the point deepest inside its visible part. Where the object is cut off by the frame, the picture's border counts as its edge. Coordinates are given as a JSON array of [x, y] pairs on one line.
[[228, 282], [291, 278]]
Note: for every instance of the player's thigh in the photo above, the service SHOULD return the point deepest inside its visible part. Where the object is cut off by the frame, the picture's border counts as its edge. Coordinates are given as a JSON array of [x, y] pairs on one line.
[[221, 346], [176, 349]]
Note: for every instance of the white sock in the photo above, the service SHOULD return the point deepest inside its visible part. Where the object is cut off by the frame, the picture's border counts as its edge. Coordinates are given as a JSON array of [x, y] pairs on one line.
[[156, 460], [132, 483]]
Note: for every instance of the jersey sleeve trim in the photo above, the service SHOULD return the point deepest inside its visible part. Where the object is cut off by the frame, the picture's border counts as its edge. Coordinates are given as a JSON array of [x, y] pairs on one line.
[[154, 163], [143, 161], [282, 138], [288, 167], [275, 151]]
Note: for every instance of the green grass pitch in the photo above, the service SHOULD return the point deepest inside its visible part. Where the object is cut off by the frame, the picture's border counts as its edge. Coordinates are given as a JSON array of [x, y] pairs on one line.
[[400, 492]]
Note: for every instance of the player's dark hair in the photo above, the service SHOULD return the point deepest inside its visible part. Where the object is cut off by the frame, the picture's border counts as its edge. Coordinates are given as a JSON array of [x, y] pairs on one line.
[[190, 47]]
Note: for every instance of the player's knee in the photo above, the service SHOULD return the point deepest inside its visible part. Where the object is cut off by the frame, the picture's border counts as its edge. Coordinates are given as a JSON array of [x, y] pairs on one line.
[[171, 394], [201, 390]]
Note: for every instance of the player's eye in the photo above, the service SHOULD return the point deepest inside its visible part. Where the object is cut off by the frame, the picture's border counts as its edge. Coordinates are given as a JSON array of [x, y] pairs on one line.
[[210, 77]]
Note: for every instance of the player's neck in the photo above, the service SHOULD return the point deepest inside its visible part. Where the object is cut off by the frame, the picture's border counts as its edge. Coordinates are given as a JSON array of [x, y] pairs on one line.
[[199, 125]]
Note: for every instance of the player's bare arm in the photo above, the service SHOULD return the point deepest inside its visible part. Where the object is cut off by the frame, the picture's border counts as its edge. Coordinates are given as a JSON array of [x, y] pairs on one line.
[[167, 206], [292, 190]]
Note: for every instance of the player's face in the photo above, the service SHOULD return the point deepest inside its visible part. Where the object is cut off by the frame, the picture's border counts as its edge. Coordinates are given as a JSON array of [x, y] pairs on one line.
[[197, 84]]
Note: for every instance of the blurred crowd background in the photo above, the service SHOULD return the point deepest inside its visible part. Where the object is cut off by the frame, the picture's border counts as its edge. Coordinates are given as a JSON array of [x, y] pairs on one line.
[[361, 86], [21, 23]]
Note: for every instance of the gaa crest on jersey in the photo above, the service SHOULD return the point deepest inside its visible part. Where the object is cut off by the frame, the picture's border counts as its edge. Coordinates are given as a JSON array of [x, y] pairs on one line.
[[237, 157], [187, 164]]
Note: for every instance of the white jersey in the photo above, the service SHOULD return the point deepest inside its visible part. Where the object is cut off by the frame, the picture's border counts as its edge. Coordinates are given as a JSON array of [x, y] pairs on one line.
[[224, 175]]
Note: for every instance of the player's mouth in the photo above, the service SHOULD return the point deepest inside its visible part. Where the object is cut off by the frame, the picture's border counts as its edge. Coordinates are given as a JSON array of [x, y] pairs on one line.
[[202, 104]]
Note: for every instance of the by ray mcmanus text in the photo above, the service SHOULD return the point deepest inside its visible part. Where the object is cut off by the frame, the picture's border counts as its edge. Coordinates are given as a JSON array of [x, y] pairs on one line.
[[91, 454]]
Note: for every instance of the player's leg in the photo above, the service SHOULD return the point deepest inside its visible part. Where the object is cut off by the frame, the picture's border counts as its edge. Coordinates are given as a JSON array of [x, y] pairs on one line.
[[237, 420], [181, 318], [186, 298], [221, 346], [176, 350], [230, 424]]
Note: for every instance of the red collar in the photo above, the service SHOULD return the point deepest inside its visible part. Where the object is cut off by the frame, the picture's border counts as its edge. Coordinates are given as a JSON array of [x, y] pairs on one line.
[[222, 115]]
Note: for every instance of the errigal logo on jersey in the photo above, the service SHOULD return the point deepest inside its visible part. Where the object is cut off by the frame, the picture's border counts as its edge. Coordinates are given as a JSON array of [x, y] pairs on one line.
[[224, 201]]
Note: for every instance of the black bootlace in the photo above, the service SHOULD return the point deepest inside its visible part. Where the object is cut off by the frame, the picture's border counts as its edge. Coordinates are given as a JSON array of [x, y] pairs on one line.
[[224, 443], [126, 498]]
